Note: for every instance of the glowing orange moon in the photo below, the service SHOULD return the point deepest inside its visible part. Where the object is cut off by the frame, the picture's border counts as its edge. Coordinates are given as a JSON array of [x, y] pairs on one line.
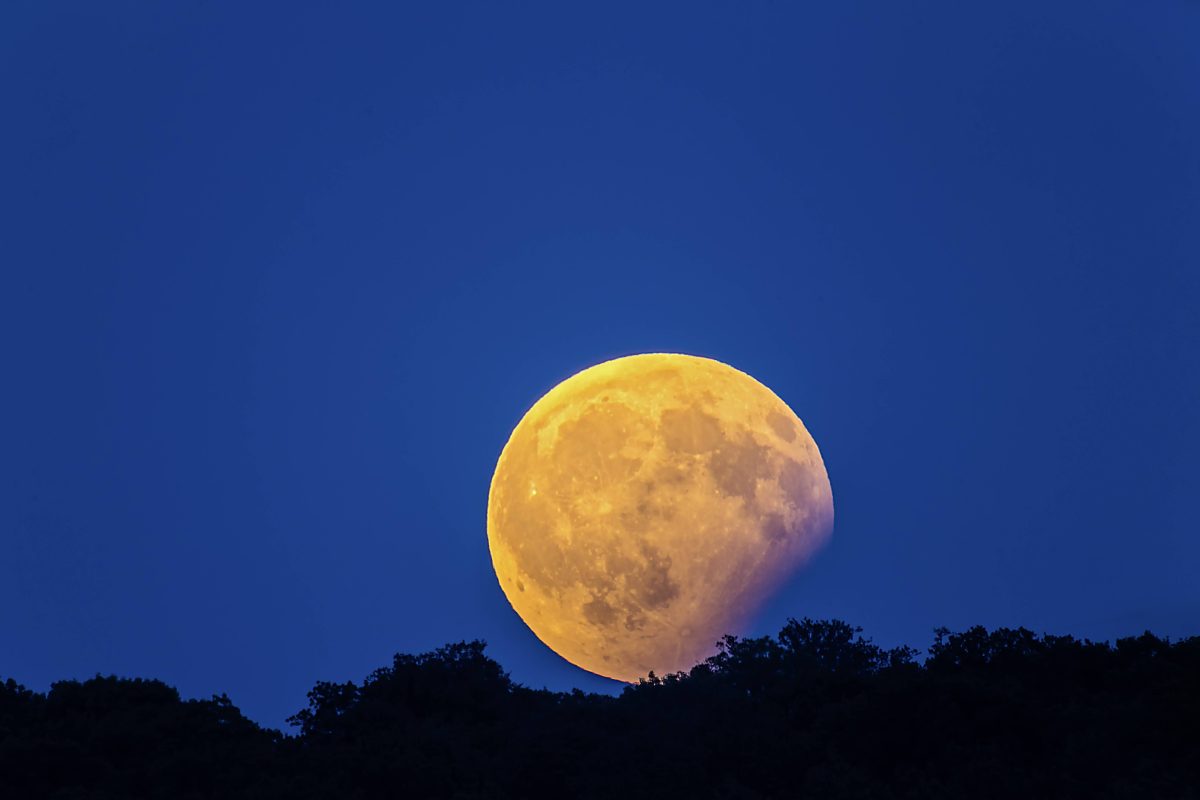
[[645, 507]]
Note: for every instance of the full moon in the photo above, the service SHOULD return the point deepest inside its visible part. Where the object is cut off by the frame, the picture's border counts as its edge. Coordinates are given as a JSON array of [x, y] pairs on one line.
[[646, 507]]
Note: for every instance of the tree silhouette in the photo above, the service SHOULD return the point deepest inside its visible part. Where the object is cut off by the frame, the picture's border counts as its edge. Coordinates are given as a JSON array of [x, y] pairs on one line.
[[815, 711]]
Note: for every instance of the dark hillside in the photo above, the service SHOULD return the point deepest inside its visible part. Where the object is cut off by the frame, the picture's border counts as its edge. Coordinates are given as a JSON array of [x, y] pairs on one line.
[[816, 711]]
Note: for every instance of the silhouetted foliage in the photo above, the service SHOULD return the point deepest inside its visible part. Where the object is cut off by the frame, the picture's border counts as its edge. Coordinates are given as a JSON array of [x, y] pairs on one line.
[[816, 711], [110, 737]]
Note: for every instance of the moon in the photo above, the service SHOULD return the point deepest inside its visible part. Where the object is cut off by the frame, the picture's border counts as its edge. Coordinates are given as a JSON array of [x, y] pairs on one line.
[[647, 506]]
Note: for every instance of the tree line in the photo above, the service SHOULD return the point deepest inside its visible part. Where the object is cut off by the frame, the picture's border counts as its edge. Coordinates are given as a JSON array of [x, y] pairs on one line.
[[817, 711]]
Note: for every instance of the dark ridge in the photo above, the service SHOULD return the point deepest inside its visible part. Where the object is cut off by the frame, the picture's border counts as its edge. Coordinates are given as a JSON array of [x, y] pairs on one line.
[[817, 711]]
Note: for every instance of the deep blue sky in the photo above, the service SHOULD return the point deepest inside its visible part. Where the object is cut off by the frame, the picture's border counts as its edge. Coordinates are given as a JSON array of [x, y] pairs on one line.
[[278, 282]]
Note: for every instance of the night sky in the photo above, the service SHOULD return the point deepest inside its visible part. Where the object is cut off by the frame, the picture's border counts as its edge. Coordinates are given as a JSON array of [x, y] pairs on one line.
[[278, 281]]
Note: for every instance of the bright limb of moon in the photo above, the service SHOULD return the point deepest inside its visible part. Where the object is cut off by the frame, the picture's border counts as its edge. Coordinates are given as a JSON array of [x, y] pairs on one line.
[[646, 506]]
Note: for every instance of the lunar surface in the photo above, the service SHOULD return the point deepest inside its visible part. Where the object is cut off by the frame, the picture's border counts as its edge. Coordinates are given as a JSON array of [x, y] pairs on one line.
[[646, 506]]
